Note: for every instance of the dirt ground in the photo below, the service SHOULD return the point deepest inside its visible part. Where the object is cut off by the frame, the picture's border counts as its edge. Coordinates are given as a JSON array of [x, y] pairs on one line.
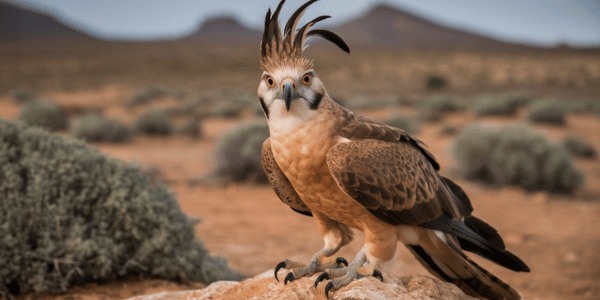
[[556, 235]]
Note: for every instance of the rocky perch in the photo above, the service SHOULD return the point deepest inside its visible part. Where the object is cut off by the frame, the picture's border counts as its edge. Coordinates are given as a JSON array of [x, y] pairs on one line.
[[264, 286]]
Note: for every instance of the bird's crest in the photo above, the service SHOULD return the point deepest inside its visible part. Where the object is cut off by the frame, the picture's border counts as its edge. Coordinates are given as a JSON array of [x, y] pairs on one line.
[[277, 47]]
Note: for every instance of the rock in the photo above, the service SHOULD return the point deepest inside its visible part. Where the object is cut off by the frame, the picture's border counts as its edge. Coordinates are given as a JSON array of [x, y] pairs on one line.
[[264, 286]]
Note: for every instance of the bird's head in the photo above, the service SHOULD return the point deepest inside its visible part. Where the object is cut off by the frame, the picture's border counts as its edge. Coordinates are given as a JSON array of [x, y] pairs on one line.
[[289, 85]]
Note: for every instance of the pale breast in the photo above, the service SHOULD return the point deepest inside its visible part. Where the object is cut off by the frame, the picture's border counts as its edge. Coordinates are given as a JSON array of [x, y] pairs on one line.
[[302, 156]]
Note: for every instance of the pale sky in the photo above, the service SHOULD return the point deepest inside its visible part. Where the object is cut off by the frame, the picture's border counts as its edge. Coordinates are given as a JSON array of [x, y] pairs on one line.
[[541, 22]]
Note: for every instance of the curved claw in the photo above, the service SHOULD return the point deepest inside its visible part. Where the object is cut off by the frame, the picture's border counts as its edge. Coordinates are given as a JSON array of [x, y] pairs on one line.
[[321, 277], [278, 267], [378, 275], [328, 287], [288, 278], [341, 260]]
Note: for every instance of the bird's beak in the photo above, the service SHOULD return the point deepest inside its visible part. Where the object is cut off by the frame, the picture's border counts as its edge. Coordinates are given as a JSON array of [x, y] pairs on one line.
[[287, 89]]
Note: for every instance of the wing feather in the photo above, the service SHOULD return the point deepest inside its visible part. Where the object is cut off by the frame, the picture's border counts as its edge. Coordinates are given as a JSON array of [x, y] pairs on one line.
[[280, 184], [392, 180]]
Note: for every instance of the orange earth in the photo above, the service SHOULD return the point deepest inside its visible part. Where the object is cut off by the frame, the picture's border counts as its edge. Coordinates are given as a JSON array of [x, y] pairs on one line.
[[556, 235]]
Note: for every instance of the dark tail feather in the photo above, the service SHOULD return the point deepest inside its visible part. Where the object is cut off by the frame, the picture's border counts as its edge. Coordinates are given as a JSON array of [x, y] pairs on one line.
[[450, 264]]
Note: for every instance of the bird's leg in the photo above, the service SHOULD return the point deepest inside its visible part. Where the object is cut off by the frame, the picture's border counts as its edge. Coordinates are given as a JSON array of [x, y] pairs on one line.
[[335, 236], [340, 277]]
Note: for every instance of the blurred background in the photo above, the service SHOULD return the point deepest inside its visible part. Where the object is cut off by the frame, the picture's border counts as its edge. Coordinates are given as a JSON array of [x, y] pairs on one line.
[[171, 86]]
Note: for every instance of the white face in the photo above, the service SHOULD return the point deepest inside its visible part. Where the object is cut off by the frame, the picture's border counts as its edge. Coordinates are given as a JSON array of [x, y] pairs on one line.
[[305, 92]]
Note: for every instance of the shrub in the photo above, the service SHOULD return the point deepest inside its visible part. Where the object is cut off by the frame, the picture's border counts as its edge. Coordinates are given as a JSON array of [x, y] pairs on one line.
[[548, 112], [435, 81], [192, 127], [44, 114], [402, 122], [94, 128], [70, 215], [149, 94], [23, 95], [154, 122], [579, 147], [514, 154], [239, 152], [486, 106], [432, 109]]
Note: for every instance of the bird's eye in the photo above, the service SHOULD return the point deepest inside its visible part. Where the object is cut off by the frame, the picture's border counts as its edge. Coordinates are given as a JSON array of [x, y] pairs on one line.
[[307, 78], [269, 80]]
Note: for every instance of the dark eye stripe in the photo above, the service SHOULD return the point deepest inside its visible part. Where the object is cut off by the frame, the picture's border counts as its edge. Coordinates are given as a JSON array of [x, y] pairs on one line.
[[264, 106], [316, 101]]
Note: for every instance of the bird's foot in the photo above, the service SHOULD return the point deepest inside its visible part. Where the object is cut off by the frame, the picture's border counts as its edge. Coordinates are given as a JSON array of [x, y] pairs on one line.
[[340, 277], [316, 264]]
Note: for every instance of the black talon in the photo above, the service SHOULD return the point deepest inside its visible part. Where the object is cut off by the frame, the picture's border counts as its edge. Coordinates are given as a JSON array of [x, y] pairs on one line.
[[341, 260], [321, 277], [327, 288], [289, 278], [378, 275], [278, 267]]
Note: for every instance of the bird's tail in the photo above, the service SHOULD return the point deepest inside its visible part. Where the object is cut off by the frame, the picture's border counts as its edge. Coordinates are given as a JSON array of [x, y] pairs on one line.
[[450, 264]]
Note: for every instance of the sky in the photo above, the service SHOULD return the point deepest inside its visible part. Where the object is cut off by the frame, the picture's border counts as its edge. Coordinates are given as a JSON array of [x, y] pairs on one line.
[[538, 22]]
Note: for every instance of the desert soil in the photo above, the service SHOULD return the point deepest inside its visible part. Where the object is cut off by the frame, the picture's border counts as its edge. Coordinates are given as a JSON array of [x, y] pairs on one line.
[[557, 235]]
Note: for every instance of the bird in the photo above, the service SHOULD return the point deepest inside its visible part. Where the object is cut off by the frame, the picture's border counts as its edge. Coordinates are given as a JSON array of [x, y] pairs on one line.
[[349, 172]]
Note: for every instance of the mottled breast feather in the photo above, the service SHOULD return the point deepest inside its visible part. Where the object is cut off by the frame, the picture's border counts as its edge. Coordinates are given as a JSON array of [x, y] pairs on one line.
[[281, 185]]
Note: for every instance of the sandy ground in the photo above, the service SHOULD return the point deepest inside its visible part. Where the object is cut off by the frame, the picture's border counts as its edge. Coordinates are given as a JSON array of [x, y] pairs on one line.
[[247, 224]]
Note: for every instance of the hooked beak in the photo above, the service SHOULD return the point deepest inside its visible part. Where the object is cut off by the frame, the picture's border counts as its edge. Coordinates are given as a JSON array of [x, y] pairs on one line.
[[287, 94]]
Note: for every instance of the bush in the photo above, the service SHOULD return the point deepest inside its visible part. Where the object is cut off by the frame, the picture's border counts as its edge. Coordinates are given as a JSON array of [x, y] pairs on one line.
[[70, 215], [192, 127], [487, 106], [517, 155], [239, 152], [548, 112], [402, 122], [434, 82], [154, 122], [149, 94], [93, 128], [44, 114], [579, 147], [23, 95], [432, 109]]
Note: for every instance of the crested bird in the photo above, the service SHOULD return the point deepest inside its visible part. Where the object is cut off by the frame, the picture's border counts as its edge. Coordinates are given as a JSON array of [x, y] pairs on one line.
[[350, 172]]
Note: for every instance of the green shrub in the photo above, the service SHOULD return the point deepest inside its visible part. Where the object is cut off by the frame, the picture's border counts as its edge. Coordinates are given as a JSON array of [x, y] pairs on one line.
[[579, 147], [192, 127], [149, 94], [402, 122], [433, 108], [489, 105], [44, 114], [548, 112], [239, 152], [435, 81], [154, 122], [70, 215], [23, 95], [94, 128], [517, 155]]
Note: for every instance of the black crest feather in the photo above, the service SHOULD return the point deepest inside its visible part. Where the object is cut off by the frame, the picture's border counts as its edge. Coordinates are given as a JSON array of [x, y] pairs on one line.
[[290, 42]]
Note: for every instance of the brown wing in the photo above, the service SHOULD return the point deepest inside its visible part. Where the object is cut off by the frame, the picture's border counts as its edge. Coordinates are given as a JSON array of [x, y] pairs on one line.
[[281, 185], [393, 180], [355, 127]]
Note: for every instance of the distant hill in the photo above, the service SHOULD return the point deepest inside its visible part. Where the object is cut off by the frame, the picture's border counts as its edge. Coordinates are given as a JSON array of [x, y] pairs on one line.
[[224, 29], [19, 23], [382, 27], [386, 26]]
